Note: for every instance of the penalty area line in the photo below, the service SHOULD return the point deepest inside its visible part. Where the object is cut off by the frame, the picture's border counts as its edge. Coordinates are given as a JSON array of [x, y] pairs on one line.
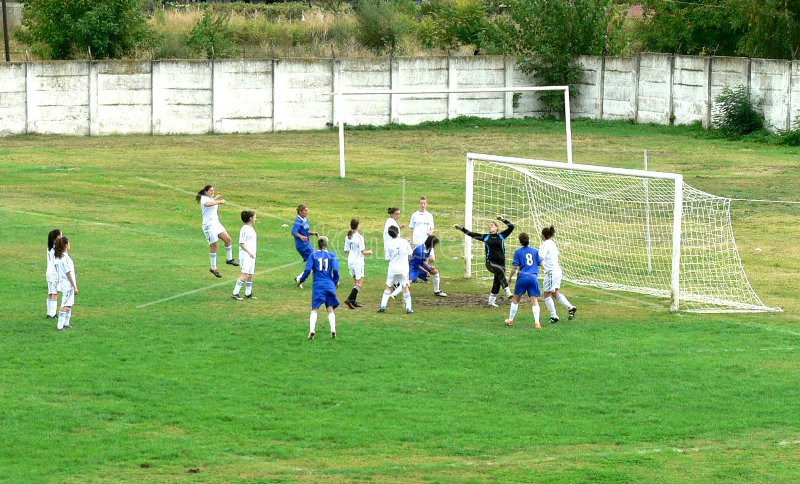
[[189, 192], [212, 286]]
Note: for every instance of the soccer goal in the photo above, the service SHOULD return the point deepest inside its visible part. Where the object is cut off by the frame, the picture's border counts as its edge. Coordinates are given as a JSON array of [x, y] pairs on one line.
[[617, 229]]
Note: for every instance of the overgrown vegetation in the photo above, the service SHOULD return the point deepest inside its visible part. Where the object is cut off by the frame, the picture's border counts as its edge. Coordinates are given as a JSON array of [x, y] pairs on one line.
[[734, 113]]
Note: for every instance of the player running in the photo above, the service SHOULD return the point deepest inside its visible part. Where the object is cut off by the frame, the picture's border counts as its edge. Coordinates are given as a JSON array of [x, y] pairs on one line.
[[248, 247], [421, 265], [356, 249], [526, 261], [399, 251], [495, 242], [552, 275], [301, 235], [325, 266], [52, 275], [212, 228]]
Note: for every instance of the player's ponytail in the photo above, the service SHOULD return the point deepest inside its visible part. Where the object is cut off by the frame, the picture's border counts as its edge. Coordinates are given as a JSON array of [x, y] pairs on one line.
[[203, 192], [52, 237], [524, 239], [548, 232], [392, 210], [393, 231], [61, 246], [354, 223]]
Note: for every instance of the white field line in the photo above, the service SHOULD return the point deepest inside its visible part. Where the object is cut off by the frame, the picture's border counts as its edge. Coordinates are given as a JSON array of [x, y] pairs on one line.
[[193, 291], [89, 222], [189, 192], [615, 294]]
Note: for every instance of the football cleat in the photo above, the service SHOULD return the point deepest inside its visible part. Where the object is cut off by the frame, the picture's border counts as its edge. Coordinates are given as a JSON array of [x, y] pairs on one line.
[[493, 304], [311, 335], [409, 311], [382, 310], [215, 272], [333, 335], [232, 262], [357, 304], [349, 304], [554, 320], [237, 297], [572, 311], [251, 296], [440, 293], [67, 326], [509, 322]]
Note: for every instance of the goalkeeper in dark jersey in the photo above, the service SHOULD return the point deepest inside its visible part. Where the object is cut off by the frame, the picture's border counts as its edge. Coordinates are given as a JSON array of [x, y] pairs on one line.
[[495, 243]]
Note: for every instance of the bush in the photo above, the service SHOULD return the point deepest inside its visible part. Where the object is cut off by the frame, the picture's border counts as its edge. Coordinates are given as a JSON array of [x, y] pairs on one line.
[[450, 23], [61, 29], [734, 114], [212, 36], [383, 24]]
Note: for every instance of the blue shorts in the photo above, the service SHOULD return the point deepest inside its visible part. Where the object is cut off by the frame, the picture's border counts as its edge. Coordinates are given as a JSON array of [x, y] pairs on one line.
[[305, 251], [529, 284], [324, 295], [418, 273]]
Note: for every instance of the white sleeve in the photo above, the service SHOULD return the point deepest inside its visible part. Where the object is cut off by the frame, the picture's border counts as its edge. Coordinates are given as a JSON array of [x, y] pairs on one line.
[[346, 244], [411, 223], [432, 225]]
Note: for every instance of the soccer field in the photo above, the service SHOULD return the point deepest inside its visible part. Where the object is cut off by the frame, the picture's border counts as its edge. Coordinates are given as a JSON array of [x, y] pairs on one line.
[[165, 377]]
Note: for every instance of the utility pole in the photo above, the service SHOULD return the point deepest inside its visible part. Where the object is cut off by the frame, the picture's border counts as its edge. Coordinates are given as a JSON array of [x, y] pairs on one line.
[[5, 31]]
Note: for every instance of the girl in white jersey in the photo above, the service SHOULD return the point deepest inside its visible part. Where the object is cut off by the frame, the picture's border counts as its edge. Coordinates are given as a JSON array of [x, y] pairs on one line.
[[394, 216], [548, 251], [52, 275], [212, 228], [247, 255], [399, 252], [356, 249], [67, 281]]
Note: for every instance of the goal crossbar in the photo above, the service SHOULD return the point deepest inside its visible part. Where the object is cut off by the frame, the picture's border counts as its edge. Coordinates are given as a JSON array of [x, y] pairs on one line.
[[339, 97]]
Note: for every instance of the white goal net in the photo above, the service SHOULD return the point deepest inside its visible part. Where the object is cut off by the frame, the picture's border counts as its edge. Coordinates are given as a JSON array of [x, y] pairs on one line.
[[629, 230]]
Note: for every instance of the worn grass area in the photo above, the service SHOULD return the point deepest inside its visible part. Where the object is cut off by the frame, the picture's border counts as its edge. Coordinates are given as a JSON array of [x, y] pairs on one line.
[[202, 387]]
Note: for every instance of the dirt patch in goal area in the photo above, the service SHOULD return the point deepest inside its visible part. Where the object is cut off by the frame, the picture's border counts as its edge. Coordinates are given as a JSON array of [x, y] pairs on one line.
[[462, 301]]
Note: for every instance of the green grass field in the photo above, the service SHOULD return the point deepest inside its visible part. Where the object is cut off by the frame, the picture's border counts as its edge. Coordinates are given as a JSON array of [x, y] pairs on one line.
[[201, 387]]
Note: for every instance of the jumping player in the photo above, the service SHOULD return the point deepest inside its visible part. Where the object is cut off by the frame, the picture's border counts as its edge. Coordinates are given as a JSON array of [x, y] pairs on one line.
[[355, 247], [421, 265], [325, 267], [526, 261], [212, 228], [52, 275], [399, 251], [495, 242], [552, 275], [248, 247], [301, 235]]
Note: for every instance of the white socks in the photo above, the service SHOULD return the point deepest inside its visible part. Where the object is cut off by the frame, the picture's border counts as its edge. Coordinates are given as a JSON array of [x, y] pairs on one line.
[[513, 311], [436, 282], [213, 258], [551, 306], [563, 300], [536, 311], [229, 251], [332, 321], [385, 298], [62, 317], [237, 287], [397, 290], [249, 289], [312, 322], [52, 307], [407, 299], [492, 298], [508, 291]]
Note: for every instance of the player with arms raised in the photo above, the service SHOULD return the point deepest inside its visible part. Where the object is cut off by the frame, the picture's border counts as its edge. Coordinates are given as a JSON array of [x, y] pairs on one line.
[[495, 242], [212, 228], [526, 261], [325, 266], [552, 275]]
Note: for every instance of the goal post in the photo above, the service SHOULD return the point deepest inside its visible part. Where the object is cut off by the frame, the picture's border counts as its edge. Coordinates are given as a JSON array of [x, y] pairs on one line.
[[340, 96], [617, 229]]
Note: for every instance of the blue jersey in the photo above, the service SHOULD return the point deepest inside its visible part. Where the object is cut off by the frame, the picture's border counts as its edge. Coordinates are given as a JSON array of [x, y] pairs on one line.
[[528, 261], [301, 227], [325, 266], [419, 258]]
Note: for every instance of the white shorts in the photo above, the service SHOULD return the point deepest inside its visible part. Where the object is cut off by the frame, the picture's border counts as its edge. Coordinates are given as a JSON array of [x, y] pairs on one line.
[[212, 232], [552, 281], [52, 287], [397, 278], [247, 263], [68, 296], [356, 270]]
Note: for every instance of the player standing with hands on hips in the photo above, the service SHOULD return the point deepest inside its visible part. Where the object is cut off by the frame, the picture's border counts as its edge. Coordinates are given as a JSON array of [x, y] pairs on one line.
[[325, 266], [301, 233], [212, 228], [495, 242]]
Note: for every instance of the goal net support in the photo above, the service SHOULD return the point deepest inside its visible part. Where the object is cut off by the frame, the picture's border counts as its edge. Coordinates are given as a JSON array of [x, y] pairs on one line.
[[625, 230]]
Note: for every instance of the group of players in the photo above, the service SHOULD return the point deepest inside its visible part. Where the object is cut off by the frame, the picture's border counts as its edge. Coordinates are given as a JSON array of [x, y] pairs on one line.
[[406, 265]]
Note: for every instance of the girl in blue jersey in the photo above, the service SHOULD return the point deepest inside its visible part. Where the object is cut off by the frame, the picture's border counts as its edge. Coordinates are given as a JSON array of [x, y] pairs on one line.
[[325, 266], [420, 267], [495, 242], [301, 234], [526, 261]]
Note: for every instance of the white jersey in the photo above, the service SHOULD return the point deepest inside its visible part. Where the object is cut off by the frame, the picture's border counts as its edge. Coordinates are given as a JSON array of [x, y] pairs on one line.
[[399, 251], [422, 225], [210, 216], [64, 265], [353, 245], [390, 222], [549, 254], [51, 274], [248, 237]]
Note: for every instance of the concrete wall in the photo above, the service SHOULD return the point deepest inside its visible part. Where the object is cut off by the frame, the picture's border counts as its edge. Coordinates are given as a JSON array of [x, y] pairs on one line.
[[253, 96]]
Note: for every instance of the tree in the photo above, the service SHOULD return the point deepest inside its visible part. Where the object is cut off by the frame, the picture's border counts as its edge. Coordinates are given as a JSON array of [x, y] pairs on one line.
[[62, 29], [771, 28]]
